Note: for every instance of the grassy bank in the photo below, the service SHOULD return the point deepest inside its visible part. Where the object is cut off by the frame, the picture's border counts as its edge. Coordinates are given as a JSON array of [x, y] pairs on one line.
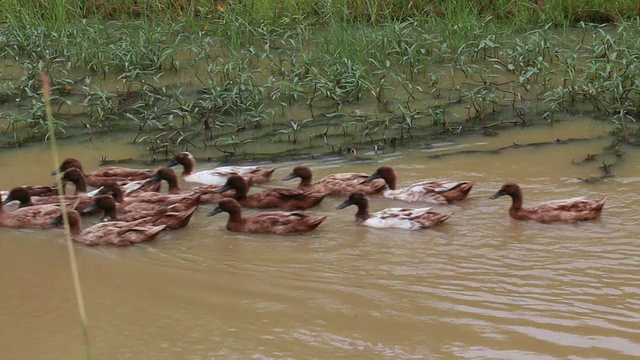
[[524, 12], [342, 74]]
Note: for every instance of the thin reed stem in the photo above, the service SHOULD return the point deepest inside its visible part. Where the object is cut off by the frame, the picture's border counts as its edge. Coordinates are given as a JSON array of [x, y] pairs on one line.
[[67, 230]]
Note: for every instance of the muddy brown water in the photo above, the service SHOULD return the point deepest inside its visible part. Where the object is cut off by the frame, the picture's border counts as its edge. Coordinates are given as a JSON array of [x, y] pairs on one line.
[[481, 287]]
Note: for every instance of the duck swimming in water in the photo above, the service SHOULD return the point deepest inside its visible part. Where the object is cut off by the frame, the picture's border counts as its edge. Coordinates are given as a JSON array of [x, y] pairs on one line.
[[287, 199], [119, 233], [438, 192], [275, 222], [21, 194], [106, 175], [29, 217], [207, 193], [404, 218], [174, 216], [336, 184], [568, 210], [219, 175]]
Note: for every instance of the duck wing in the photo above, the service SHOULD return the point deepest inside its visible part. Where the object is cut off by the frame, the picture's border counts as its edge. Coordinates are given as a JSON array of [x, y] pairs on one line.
[[37, 216], [406, 218], [280, 222], [347, 183], [119, 233]]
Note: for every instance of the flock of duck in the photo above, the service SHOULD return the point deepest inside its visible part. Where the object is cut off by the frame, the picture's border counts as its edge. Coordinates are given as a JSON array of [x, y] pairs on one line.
[[134, 210]]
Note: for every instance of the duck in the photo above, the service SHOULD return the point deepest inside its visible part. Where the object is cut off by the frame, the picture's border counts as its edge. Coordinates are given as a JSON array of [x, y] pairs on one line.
[[274, 222], [102, 176], [567, 210], [29, 217], [336, 184], [219, 175], [119, 233], [404, 218], [145, 201], [21, 194], [77, 178], [207, 193], [287, 199], [36, 190], [174, 216], [438, 192]]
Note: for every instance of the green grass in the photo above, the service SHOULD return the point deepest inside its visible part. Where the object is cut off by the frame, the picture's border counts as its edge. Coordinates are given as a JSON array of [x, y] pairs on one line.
[[255, 59], [59, 13]]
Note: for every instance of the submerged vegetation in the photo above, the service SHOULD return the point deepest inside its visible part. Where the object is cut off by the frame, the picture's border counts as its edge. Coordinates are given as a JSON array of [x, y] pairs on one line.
[[225, 77]]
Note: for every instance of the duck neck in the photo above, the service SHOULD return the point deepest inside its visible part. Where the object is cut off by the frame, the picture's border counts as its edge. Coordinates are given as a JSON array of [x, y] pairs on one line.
[[363, 212], [187, 168], [391, 181], [516, 202], [74, 228], [118, 196], [235, 217], [110, 212], [81, 185], [305, 181], [241, 192], [173, 186]]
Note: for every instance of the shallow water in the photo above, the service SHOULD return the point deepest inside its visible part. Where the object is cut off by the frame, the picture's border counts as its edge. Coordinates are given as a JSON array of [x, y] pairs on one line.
[[483, 286]]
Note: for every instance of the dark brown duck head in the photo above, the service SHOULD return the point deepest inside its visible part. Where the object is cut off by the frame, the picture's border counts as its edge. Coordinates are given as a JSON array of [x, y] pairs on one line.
[[237, 183], [168, 175], [510, 189], [302, 172], [185, 159], [360, 200], [20, 194], [105, 203], [75, 176], [227, 205], [68, 163], [385, 173]]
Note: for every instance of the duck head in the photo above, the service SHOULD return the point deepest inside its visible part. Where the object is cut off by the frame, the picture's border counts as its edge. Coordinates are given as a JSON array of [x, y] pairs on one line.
[[510, 189], [18, 193], [184, 158], [226, 205], [300, 171], [386, 173], [68, 163], [357, 198], [237, 183]]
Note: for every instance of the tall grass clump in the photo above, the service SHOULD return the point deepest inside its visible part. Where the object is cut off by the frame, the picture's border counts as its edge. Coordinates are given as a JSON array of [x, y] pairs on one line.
[[53, 15]]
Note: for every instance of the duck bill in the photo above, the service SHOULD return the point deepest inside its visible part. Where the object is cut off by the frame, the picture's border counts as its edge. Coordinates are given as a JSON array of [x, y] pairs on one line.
[[56, 171], [171, 163], [90, 208], [7, 200], [139, 185], [289, 177], [497, 195], [96, 192], [371, 177], [155, 177], [56, 220], [344, 204], [222, 189], [215, 211]]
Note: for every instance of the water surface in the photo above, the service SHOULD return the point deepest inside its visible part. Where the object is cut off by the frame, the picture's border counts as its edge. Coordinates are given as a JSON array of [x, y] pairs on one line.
[[483, 286]]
